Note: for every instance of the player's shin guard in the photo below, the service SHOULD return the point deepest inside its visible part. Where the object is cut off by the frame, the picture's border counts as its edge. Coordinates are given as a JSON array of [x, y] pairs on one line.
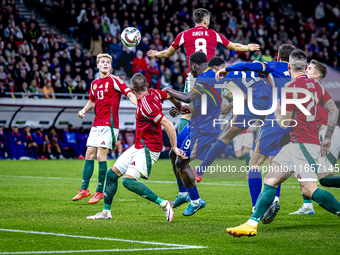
[[213, 153], [326, 200], [110, 188], [246, 157], [255, 184], [330, 181], [278, 191], [182, 189], [101, 176], [194, 196], [87, 173], [139, 188], [264, 201]]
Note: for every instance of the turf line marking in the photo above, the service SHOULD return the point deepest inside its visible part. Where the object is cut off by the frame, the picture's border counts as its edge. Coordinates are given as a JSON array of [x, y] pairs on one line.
[[242, 184], [101, 238], [111, 250]]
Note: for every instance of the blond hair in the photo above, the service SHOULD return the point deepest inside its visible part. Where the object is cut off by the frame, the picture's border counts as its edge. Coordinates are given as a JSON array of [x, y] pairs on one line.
[[103, 55]]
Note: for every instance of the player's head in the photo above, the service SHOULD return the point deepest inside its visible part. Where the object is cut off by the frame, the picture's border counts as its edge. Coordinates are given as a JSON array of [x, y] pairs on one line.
[[216, 63], [316, 70], [201, 17], [104, 62], [138, 83], [198, 63], [297, 61], [284, 52]]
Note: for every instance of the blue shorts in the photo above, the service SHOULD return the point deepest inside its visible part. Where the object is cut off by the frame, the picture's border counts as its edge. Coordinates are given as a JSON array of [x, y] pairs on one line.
[[242, 120], [195, 144], [271, 139]]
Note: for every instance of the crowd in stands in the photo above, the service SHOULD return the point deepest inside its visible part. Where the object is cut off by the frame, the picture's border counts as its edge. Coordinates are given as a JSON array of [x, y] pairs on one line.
[[40, 64]]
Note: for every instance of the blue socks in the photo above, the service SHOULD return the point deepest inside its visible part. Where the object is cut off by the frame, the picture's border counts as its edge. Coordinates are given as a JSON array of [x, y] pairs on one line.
[[212, 154], [278, 191], [182, 189], [193, 193], [255, 184]]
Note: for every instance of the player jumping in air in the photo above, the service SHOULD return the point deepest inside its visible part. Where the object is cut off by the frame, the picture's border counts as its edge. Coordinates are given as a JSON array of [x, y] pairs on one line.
[[197, 136], [137, 161], [298, 156], [105, 96], [199, 38], [318, 71]]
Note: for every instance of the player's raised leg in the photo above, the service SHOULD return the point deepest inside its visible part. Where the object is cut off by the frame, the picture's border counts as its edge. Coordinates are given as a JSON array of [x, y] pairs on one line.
[[87, 173]]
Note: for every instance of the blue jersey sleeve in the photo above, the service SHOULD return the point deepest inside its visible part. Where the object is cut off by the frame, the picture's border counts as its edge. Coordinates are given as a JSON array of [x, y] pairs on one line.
[[256, 66]]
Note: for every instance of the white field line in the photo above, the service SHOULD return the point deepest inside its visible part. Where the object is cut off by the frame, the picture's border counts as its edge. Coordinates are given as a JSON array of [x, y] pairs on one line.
[[104, 238], [241, 184], [111, 250]]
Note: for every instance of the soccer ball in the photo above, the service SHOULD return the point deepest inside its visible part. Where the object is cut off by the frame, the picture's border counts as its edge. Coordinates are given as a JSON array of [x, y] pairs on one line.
[[130, 36]]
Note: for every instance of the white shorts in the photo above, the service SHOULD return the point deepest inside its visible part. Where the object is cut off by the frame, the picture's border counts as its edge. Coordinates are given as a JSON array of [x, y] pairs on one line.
[[103, 136], [327, 163], [136, 162], [243, 140], [300, 158]]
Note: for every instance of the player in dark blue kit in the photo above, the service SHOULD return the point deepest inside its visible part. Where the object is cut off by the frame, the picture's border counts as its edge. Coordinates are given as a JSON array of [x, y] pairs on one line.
[[272, 137], [261, 91], [196, 138]]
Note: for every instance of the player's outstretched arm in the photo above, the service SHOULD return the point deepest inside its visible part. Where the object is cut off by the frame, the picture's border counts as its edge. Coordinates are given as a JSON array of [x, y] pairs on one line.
[[281, 118], [241, 47], [181, 96], [333, 114], [132, 98], [88, 107], [161, 54], [171, 131]]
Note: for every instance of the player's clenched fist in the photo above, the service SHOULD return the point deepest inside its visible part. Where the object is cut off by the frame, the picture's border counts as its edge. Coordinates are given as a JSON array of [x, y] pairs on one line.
[[81, 114], [152, 53]]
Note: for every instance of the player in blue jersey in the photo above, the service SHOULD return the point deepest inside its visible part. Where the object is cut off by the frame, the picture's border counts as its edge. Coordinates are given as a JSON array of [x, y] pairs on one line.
[[196, 138], [260, 95], [272, 137]]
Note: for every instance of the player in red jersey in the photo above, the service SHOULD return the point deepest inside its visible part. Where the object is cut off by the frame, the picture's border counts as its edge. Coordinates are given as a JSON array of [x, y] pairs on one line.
[[298, 156], [105, 96], [137, 161], [199, 38], [326, 165]]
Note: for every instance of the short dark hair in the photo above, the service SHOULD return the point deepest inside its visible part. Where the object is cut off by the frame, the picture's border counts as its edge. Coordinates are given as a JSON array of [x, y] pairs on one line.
[[200, 14], [284, 51], [138, 82], [216, 61], [198, 57], [298, 60], [322, 69]]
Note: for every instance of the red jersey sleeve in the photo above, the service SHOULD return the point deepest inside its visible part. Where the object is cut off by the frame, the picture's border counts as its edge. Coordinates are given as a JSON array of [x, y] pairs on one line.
[[120, 85], [152, 110], [325, 96], [161, 94], [91, 94], [179, 40], [222, 40]]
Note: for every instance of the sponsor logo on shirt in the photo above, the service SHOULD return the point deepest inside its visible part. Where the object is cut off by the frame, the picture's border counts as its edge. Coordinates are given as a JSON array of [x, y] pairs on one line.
[[101, 86], [103, 143]]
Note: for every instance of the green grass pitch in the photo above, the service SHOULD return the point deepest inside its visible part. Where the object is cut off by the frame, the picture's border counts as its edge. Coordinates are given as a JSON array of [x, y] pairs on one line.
[[37, 215]]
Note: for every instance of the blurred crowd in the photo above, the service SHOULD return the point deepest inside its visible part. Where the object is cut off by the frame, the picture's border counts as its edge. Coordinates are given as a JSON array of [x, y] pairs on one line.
[[39, 64]]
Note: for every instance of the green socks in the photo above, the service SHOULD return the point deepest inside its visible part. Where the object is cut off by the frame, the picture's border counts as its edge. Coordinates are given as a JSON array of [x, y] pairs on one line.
[[326, 200], [246, 157], [182, 123], [330, 181], [101, 176], [139, 188], [87, 173], [264, 201], [306, 200], [110, 188]]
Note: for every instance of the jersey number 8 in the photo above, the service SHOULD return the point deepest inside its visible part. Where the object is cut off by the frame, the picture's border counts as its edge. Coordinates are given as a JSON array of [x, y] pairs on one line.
[[201, 45]]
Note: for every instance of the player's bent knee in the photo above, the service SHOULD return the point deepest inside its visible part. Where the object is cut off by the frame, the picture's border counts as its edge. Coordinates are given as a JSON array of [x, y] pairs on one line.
[[180, 164]]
